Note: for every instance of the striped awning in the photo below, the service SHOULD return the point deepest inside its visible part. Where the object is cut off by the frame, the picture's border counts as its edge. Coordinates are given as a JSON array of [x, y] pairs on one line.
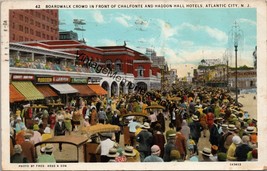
[[83, 89], [97, 89], [15, 95], [64, 88], [28, 90], [46, 90]]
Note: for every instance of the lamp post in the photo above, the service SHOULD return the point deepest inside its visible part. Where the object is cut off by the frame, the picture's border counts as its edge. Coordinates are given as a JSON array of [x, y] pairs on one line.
[[237, 34]]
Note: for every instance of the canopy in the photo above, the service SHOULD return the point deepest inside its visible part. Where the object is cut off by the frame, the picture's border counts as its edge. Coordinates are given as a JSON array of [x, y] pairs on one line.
[[46, 90], [97, 89], [155, 107], [84, 90], [15, 95], [100, 128], [64, 88], [28, 90]]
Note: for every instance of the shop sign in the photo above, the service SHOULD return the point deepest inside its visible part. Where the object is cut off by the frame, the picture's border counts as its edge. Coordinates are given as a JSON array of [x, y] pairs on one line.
[[61, 79], [44, 80], [79, 80], [22, 77]]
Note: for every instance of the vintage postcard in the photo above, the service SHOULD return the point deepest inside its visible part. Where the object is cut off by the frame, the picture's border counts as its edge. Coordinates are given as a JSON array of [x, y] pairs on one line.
[[153, 85]]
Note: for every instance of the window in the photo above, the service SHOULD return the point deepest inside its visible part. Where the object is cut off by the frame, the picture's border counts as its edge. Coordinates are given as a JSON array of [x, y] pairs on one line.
[[31, 21], [43, 35], [140, 71], [26, 30], [109, 64], [47, 37], [43, 17], [21, 17], [20, 38], [20, 28], [31, 31], [26, 19], [47, 28], [14, 37], [13, 25], [118, 65]]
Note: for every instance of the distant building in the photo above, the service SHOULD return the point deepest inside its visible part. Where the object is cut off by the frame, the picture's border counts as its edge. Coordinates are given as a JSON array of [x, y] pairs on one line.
[[32, 25], [68, 35]]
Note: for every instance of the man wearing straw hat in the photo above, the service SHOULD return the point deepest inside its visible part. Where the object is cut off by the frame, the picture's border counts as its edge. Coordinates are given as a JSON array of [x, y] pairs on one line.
[[28, 149], [60, 129], [131, 154], [206, 154], [145, 140], [17, 157], [47, 156], [195, 128]]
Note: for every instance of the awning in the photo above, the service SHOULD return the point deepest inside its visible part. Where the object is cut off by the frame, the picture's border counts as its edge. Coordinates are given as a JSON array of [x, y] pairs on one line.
[[64, 88], [83, 89], [28, 90], [97, 89], [46, 90], [15, 95]]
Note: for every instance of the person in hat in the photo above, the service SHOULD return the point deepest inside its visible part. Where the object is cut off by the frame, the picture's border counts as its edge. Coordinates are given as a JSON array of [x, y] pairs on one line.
[[154, 157], [28, 149], [195, 129], [229, 136], [175, 156], [121, 157], [145, 141], [252, 133], [17, 157], [112, 154], [115, 120], [170, 145], [215, 136], [102, 116], [236, 140], [93, 117], [47, 156], [180, 144], [105, 144], [243, 149], [185, 130], [192, 148], [206, 154], [131, 154], [19, 126], [132, 129], [86, 121], [47, 133], [67, 121], [60, 129], [37, 137], [158, 138]]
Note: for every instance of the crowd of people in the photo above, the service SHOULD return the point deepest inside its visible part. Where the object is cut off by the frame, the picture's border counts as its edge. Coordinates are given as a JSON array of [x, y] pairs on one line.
[[169, 133]]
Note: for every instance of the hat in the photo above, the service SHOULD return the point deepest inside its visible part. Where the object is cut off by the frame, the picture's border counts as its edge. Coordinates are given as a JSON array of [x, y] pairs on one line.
[[236, 140], [250, 129], [195, 118], [35, 127], [106, 134], [225, 126], [47, 130], [86, 117], [36, 119], [128, 151], [27, 135], [17, 149], [49, 148], [42, 149], [219, 118], [221, 156], [155, 150], [19, 118], [206, 152], [231, 127], [112, 152], [146, 125], [175, 154]]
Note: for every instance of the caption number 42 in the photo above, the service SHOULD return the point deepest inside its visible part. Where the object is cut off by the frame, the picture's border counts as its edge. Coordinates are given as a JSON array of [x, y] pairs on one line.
[[37, 6]]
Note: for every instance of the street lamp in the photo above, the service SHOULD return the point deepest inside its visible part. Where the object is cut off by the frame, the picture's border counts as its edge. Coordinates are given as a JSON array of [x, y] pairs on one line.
[[237, 34]]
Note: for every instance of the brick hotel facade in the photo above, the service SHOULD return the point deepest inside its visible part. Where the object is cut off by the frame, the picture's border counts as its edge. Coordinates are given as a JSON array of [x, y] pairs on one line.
[[31, 25]]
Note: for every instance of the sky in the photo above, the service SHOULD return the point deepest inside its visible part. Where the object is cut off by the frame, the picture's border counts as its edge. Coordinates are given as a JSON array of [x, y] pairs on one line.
[[183, 36]]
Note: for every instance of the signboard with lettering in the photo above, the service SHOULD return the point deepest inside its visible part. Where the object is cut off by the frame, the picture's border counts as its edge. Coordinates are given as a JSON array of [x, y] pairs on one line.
[[41, 80], [22, 77], [61, 79], [79, 80]]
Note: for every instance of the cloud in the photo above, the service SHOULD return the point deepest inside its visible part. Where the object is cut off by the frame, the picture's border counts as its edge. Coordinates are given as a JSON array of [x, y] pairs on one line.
[[247, 21], [167, 30], [124, 20], [215, 33], [107, 42], [98, 17]]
